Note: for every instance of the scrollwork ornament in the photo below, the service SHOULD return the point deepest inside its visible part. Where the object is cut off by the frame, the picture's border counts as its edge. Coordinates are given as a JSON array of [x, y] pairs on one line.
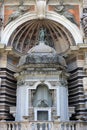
[[64, 83], [20, 83], [53, 83], [22, 9], [64, 10]]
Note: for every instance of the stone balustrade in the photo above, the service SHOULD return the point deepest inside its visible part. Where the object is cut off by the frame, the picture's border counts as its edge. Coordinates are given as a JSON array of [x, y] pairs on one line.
[[34, 125]]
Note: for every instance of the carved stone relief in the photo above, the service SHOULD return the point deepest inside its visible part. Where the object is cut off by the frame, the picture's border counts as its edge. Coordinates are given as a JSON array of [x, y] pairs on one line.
[[84, 21], [26, 83], [22, 9], [64, 10]]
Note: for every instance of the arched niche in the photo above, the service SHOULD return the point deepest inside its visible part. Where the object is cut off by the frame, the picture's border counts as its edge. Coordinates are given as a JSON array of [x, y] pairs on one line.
[[64, 24], [42, 96]]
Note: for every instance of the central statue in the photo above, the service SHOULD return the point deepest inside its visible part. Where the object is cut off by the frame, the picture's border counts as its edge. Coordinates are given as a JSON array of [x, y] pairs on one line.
[[42, 34]]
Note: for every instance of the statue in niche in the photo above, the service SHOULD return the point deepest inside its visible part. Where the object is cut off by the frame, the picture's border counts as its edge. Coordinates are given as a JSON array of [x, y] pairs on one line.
[[42, 34], [84, 22], [20, 11], [64, 10]]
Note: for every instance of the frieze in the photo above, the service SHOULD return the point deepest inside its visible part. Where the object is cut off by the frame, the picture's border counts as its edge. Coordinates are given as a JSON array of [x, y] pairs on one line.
[[26, 83], [38, 72], [53, 83], [44, 58]]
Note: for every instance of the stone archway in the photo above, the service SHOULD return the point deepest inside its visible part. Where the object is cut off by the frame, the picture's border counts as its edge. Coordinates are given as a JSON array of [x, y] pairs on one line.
[[73, 29]]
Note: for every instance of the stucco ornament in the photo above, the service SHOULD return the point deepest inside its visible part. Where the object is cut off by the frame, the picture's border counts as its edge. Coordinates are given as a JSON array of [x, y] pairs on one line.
[[41, 7], [20, 11], [64, 10]]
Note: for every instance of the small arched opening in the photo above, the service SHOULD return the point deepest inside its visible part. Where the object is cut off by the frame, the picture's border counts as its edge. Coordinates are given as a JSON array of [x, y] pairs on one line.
[[42, 102]]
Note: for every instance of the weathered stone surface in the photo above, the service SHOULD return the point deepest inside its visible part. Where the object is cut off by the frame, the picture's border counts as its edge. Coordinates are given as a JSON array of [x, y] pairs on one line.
[[42, 54]]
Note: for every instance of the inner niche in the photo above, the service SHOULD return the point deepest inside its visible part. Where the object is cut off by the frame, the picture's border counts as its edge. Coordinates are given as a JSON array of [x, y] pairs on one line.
[[42, 97], [26, 36]]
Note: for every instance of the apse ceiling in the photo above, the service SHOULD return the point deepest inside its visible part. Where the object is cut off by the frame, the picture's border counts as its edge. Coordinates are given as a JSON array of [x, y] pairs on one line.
[[26, 36]]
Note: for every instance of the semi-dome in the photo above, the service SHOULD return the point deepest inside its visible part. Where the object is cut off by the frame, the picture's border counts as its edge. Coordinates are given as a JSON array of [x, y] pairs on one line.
[[25, 36], [42, 54]]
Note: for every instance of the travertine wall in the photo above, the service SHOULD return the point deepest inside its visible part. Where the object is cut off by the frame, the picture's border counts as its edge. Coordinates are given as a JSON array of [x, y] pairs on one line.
[[77, 98], [7, 85]]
